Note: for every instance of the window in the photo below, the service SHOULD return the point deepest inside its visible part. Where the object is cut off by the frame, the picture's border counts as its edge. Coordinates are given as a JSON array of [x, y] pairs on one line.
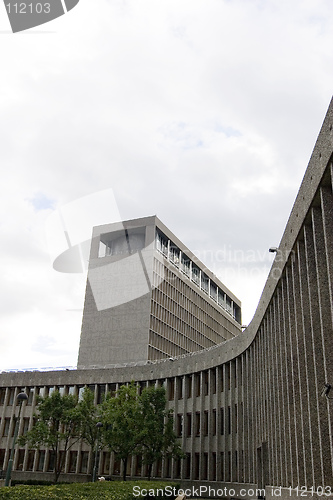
[[197, 384], [188, 466], [138, 465], [213, 467], [197, 424], [196, 465], [161, 243], [25, 425], [100, 393], [11, 396], [81, 389], [186, 265], [188, 424], [213, 381], [41, 391], [84, 462], [180, 387], [6, 427], [61, 389], [195, 274], [51, 461], [189, 386], [222, 421], [205, 423], [41, 460], [30, 393], [2, 458], [204, 283], [171, 388], [205, 383], [2, 395], [174, 255], [71, 390], [20, 459], [30, 461], [72, 461], [229, 420], [214, 422], [179, 429], [205, 466]]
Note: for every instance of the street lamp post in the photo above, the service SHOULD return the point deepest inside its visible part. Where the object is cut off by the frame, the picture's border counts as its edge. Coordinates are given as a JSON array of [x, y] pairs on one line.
[[98, 425], [21, 397]]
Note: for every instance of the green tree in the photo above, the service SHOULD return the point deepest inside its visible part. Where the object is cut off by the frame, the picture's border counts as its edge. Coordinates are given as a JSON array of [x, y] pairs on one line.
[[57, 427], [90, 415], [157, 439], [121, 420]]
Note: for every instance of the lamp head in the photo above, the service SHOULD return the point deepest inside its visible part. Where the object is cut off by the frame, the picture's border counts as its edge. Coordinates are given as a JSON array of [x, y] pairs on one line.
[[22, 396]]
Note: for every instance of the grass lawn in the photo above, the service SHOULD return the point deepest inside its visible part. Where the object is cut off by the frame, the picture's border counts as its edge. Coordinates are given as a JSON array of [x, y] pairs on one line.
[[106, 490]]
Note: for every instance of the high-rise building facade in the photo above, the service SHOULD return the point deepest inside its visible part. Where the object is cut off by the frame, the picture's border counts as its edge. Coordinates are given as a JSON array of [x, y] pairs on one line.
[[148, 297]]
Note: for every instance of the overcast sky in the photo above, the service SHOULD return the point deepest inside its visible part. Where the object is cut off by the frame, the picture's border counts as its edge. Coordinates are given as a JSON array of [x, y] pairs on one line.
[[203, 112]]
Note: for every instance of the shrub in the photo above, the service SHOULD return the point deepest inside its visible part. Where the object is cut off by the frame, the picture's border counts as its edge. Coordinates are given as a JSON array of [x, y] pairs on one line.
[[114, 490]]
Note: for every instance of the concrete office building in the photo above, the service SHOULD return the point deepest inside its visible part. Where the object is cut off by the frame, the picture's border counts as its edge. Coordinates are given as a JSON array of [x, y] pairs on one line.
[[249, 411], [146, 289]]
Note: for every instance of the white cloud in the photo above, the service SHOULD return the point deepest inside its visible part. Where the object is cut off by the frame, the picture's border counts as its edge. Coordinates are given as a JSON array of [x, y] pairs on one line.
[[203, 112]]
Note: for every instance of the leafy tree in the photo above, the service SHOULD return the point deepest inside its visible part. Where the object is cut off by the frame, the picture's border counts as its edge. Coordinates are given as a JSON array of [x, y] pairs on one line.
[[90, 415], [157, 439], [121, 420], [57, 427]]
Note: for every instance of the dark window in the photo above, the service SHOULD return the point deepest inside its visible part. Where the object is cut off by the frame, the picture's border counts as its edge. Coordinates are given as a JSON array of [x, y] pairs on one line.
[[196, 465], [197, 424], [213, 467], [180, 387], [213, 381], [30, 393], [229, 420], [84, 462], [2, 395], [6, 427], [51, 461], [222, 466], [20, 459], [197, 384], [222, 421], [72, 461], [188, 466], [171, 388], [41, 460], [2, 458], [214, 422], [189, 424], [179, 430], [30, 461], [205, 466], [11, 396], [205, 423], [205, 383], [25, 425], [100, 393], [189, 386]]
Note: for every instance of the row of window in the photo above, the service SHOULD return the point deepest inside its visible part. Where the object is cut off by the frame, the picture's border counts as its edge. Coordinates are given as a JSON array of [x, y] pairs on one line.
[[227, 469], [178, 314], [180, 260], [198, 423], [200, 383]]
